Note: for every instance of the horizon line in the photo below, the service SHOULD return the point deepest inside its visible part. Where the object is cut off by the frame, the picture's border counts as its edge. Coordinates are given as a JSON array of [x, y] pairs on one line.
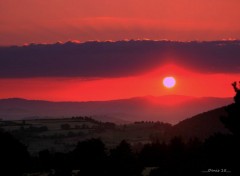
[[114, 41], [127, 98]]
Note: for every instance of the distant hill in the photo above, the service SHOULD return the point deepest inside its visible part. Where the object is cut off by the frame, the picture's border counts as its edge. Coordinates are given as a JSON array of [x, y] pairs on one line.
[[202, 125], [171, 109]]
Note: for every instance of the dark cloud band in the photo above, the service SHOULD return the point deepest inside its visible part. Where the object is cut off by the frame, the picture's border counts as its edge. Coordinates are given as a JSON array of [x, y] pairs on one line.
[[116, 59]]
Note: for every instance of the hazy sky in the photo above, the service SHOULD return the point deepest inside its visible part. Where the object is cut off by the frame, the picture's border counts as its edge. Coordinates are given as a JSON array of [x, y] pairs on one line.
[[49, 21]]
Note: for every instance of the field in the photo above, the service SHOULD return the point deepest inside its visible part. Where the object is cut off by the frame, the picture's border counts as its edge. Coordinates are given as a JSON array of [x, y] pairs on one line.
[[62, 135]]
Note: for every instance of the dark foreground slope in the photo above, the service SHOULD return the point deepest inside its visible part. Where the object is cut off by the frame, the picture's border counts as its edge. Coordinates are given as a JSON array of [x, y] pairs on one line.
[[202, 125]]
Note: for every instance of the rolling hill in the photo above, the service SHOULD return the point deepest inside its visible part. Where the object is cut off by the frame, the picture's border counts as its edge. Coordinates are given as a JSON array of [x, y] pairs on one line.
[[171, 108], [202, 125]]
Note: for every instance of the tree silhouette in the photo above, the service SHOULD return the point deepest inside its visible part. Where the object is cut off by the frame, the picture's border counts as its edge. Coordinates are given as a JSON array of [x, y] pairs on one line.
[[123, 162], [61, 164], [153, 154], [237, 90], [90, 157], [65, 126], [14, 157], [232, 120], [45, 160], [232, 142]]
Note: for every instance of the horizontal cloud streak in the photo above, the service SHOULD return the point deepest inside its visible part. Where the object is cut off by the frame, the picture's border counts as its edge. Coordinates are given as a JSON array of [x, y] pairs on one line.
[[116, 59]]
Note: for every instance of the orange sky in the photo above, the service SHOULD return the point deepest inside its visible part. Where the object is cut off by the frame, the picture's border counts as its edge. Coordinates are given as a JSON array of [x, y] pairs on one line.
[[76, 89], [41, 21], [48, 21]]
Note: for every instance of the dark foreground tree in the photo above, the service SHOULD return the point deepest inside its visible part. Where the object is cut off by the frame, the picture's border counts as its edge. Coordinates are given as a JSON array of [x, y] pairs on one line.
[[232, 120], [14, 157], [90, 157], [122, 161]]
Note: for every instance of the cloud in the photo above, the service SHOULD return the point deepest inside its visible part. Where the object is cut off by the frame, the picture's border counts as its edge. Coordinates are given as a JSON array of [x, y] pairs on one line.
[[116, 59]]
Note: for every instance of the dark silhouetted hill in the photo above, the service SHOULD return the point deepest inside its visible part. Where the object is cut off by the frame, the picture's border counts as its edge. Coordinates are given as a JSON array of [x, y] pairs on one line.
[[202, 125]]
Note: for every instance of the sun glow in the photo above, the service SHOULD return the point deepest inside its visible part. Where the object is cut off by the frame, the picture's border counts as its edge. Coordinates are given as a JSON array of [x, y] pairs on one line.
[[169, 82]]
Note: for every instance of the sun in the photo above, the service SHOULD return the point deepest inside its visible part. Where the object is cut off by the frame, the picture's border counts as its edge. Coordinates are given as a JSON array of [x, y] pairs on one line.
[[169, 82]]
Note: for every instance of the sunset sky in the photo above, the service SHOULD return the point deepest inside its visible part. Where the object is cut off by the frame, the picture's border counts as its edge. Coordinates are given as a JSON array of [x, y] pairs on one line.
[[48, 21], [115, 70], [76, 89]]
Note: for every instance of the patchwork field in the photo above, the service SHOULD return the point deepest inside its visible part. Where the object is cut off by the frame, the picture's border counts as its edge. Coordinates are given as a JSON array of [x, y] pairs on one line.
[[62, 135]]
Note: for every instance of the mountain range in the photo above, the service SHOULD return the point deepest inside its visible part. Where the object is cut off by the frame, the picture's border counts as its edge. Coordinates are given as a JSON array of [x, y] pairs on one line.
[[171, 108]]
